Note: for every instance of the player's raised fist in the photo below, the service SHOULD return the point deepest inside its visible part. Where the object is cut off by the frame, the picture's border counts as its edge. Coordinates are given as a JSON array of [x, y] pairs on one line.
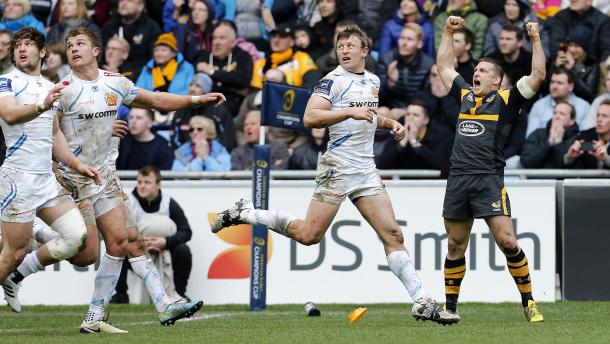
[[454, 23], [532, 29]]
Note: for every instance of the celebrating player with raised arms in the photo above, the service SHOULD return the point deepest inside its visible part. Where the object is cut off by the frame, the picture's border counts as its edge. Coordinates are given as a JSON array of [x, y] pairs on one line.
[[345, 101], [28, 187], [475, 186]]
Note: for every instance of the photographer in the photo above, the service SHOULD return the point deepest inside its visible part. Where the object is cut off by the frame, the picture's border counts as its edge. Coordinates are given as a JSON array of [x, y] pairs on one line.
[[590, 149]]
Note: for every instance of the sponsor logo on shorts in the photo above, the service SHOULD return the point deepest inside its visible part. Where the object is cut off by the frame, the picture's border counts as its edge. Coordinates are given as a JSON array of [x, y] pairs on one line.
[[496, 205], [471, 128]]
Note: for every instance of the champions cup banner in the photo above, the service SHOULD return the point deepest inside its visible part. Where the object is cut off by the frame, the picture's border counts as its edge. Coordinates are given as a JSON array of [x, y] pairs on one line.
[[283, 105], [349, 265], [260, 197]]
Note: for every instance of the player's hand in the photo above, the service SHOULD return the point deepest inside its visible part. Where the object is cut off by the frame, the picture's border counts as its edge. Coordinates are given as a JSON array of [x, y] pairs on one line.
[[88, 171], [362, 113], [212, 98], [53, 95], [599, 151], [393, 73], [454, 23], [399, 131], [202, 149], [119, 128], [532, 29], [155, 244], [575, 150]]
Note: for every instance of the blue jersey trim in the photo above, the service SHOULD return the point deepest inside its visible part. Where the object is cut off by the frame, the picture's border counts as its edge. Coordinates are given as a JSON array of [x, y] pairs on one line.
[[16, 145]]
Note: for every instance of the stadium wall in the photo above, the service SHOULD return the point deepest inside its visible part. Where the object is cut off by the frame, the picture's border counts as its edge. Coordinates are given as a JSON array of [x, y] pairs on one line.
[[349, 266]]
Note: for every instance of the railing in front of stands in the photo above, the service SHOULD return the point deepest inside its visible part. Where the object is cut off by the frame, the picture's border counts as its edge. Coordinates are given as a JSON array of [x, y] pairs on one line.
[[386, 174]]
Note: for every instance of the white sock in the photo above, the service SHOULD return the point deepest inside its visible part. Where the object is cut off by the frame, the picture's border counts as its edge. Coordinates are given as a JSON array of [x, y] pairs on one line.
[[144, 267], [105, 281], [30, 265], [402, 266], [42, 233], [276, 220]]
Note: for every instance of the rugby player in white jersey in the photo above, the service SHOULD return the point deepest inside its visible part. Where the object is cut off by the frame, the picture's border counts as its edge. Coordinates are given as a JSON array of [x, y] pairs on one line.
[[28, 187], [345, 101], [87, 110]]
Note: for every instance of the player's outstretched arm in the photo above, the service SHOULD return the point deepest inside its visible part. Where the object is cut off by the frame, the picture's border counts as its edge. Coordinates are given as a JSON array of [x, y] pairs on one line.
[[14, 113], [319, 115], [445, 57], [164, 101], [63, 154], [536, 77]]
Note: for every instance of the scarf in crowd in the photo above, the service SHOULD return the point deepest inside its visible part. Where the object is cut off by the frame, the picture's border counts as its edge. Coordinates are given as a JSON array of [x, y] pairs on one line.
[[162, 79]]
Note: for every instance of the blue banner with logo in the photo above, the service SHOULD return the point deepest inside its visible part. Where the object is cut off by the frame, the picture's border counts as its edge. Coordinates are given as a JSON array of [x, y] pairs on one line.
[[283, 105], [260, 198]]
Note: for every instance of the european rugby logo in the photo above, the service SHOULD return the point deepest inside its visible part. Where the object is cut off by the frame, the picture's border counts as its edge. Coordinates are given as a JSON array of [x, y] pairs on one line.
[[471, 128]]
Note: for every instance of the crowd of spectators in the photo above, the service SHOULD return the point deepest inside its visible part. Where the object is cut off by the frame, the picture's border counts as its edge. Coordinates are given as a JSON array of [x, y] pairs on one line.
[[233, 46]]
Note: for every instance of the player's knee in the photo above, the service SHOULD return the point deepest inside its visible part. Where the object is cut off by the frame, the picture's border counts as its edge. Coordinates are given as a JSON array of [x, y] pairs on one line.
[[18, 256], [396, 235], [309, 239], [509, 247], [455, 248], [72, 234], [84, 258]]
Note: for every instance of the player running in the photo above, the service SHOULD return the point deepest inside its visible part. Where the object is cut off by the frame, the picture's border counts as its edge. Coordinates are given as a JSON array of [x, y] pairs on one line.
[[28, 187], [88, 109], [345, 101], [475, 186]]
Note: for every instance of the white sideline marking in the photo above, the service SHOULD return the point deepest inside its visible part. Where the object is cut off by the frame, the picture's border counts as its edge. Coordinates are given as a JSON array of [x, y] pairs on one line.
[[201, 317]]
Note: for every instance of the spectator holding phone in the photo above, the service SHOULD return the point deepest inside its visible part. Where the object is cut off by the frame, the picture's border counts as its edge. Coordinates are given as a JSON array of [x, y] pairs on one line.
[[590, 149]]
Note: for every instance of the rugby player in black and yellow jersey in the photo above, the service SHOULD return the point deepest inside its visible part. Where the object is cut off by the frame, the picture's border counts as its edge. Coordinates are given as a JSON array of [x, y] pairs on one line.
[[475, 186]]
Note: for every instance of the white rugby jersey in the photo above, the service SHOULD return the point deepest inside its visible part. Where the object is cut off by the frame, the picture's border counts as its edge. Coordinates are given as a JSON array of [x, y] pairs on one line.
[[351, 141], [28, 145], [89, 109]]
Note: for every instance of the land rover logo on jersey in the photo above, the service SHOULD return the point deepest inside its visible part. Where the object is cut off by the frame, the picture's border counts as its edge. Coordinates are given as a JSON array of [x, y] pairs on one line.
[[471, 128], [288, 100], [111, 99], [469, 97]]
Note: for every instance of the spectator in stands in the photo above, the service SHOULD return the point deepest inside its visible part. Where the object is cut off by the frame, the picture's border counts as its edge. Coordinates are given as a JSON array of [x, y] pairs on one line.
[[590, 119], [410, 11], [133, 24], [475, 22], [241, 157], [580, 12], [403, 72], [253, 19], [545, 147], [462, 45], [306, 156], [439, 102], [72, 14], [115, 58], [166, 231], [304, 41], [370, 14], [514, 59], [330, 10], [562, 87], [298, 67], [229, 67], [295, 12], [203, 152], [574, 55], [427, 145], [196, 34], [6, 65], [223, 119], [16, 14], [56, 65], [141, 147], [167, 71], [176, 15], [328, 62], [591, 148], [516, 13]]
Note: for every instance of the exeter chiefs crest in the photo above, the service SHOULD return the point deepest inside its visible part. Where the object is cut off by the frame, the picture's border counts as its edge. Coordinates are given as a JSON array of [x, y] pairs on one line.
[[111, 99]]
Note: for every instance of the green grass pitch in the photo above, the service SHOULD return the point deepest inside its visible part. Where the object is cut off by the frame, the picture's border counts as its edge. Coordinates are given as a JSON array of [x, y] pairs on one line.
[[565, 322]]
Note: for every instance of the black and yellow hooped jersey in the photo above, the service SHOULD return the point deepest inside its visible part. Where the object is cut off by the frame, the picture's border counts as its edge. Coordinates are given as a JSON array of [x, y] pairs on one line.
[[483, 126]]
